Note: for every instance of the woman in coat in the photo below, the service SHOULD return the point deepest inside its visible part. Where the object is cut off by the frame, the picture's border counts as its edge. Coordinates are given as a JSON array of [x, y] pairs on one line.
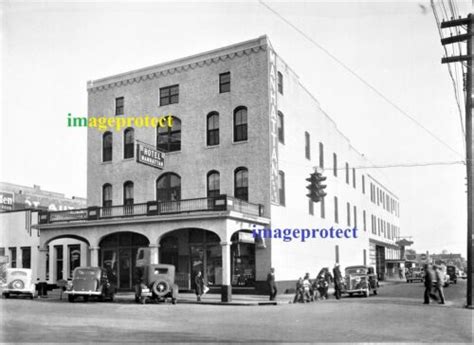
[[199, 283]]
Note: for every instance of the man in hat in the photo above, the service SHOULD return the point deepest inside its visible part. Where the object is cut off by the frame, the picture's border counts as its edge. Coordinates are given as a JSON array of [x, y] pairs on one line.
[[439, 283], [336, 272], [272, 284]]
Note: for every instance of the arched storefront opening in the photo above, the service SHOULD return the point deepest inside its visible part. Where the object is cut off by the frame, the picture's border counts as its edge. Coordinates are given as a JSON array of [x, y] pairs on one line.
[[242, 253], [117, 254], [191, 251]]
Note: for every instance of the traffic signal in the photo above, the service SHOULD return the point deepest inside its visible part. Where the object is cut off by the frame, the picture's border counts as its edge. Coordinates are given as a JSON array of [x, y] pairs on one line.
[[316, 189]]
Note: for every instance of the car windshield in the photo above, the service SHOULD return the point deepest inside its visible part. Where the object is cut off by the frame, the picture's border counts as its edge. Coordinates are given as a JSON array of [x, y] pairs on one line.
[[85, 273], [356, 270]]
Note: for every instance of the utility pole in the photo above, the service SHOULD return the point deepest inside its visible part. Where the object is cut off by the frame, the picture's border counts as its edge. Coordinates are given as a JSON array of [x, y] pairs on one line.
[[468, 37]]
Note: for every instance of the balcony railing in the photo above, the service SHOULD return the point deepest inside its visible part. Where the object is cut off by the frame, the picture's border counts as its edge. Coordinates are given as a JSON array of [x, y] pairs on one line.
[[153, 208]]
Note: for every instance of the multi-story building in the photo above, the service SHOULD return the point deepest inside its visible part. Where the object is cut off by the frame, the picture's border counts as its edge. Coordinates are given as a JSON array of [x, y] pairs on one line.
[[20, 242], [246, 134]]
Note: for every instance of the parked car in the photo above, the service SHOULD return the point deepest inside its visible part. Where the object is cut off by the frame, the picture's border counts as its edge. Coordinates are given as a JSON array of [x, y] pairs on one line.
[[156, 283], [361, 280], [91, 282], [462, 274], [453, 273], [19, 282], [415, 274]]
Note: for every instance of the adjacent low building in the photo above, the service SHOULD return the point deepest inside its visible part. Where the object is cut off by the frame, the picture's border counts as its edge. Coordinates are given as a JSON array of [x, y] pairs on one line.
[[246, 134]]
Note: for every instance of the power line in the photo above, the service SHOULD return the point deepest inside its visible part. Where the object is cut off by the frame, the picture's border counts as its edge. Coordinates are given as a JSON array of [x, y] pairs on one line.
[[348, 69]]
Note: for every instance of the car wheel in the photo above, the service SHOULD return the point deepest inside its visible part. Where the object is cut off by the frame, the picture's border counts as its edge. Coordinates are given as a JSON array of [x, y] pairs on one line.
[[142, 300], [161, 288], [375, 292], [71, 298], [350, 294], [5, 295], [173, 301]]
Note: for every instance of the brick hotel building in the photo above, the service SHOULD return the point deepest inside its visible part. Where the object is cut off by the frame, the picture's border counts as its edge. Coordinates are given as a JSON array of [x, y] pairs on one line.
[[246, 135]]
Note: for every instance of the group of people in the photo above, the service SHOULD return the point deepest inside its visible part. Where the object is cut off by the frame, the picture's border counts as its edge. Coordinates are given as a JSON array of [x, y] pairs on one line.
[[433, 284], [308, 290]]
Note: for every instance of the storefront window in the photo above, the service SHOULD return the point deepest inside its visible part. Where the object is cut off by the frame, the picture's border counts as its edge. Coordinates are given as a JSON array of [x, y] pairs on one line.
[[74, 257], [243, 259]]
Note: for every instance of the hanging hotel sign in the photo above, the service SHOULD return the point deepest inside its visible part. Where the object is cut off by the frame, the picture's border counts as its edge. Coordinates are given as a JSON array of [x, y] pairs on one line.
[[274, 198], [148, 155]]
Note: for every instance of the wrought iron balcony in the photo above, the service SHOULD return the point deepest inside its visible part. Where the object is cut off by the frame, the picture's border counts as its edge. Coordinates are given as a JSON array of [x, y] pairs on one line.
[[153, 208]]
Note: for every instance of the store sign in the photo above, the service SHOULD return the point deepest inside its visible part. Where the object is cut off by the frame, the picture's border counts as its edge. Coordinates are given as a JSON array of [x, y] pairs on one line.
[[148, 155], [274, 176], [6, 201], [246, 237]]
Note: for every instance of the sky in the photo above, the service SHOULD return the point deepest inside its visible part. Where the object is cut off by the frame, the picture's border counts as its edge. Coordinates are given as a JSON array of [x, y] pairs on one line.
[[51, 49]]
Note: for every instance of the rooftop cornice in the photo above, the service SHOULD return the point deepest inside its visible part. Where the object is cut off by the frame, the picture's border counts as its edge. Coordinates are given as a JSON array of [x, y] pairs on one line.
[[180, 65]]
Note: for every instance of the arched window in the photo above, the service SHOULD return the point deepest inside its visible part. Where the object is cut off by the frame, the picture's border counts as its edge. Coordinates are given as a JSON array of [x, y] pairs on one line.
[[240, 124], [128, 193], [128, 143], [107, 147], [168, 138], [107, 195], [213, 184], [168, 187], [241, 183], [213, 129]]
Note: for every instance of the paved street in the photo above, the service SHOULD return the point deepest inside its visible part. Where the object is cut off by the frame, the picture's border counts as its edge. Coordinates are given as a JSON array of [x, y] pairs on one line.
[[380, 318]]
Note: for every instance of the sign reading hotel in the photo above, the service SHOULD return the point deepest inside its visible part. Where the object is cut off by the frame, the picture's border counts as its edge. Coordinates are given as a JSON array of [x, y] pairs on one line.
[[274, 195], [6, 201], [148, 155]]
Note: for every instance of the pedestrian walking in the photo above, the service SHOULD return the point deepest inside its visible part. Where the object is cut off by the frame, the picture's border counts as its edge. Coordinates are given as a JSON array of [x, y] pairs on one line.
[[323, 280], [439, 283], [299, 291], [199, 282], [306, 288], [272, 284], [337, 281], [429, 278], [400, 273]]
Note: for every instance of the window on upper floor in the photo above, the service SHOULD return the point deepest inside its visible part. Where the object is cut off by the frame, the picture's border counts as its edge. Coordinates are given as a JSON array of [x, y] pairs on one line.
[[355, 216], [310, 207], [336, 210], [348, 214], [107, 195], [168, 187], [354, 177], [323, 208], [334, 164], [347, 173], [281, 127], [213, 129], [321, 155], [168, 139], [281, 187], [240, 124], [224, 82], [213, 184], [107, 147], [128, 193], [241, 183], [280, 83], [119, 105], [363, 184], [364, 216], [128, 143], [169, 95], [307, 145]]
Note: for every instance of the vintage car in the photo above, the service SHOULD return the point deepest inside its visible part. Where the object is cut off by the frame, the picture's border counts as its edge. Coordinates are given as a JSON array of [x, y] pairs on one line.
[[453, 273], [19, 282], [415, 274], [91, 282], [361, 280], [156, 283]]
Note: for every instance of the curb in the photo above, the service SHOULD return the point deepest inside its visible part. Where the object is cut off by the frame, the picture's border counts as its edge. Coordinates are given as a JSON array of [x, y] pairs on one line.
[[229, 303]]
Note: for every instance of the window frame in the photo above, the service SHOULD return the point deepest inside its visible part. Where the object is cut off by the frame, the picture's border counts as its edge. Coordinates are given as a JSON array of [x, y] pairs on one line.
[[281, 127], [280, 82], [210, 193], [119, 109], [281, 188], [214, 132], [243, 190], [170, 97], [222, 84], [307, 145], [242, 128], [171, 132], [128, 148], [107, 150]]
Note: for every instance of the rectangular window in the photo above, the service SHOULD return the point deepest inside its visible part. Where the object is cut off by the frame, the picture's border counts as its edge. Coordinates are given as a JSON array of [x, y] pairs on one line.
[[169, 95], [12, 257], [363, 184], [26, 257], [307, 145], [336, 211], [280, 83], [334, 164], [2, 251], [365, 257], [337, 253], [374, 225], [281, 187], [59, 262], [224, 82], [310, 207], [323, 209], [365, 220], [281, 127], [354, 177], [119, 106], [355, 216], [347, 173], [348, 214], [321, 155]]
